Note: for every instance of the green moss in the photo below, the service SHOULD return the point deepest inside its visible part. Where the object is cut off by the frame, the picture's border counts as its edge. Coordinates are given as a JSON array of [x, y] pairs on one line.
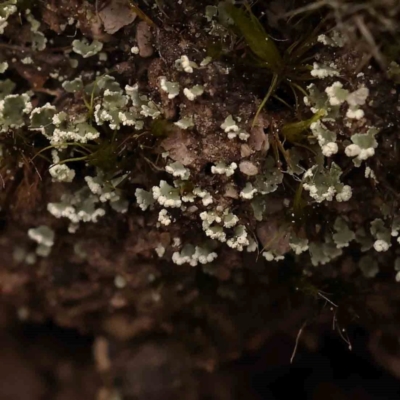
[[287, 67]]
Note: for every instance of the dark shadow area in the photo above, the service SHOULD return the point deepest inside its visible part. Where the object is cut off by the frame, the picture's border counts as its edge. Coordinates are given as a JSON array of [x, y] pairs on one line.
[[333, 372], [47, 362]]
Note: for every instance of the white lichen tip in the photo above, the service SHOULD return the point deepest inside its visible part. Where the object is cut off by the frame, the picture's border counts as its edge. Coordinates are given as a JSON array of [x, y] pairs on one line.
[[381, 245], [222, 169], [86, 49], [160, 250], [60, 172], [329, 149], [319, 196], [144, 199], [135, 50], [150, 110], [243, 136], [230, 220], [185, 122], [345, 194], [183, 63], [205, 196], [178, 170], [352, 150], [172, 88], [298, 245], [42, 235], [269, 256], [166, 195], [232, 129], [216, 233], [193, 255], [335, 39], [164, 218], [369, 173], [323, 71], [3, 66], [358, 97], [355, 113], [229, 126], [193, 92], [240, 239], [209, 217], [336, 94], [248, 191]]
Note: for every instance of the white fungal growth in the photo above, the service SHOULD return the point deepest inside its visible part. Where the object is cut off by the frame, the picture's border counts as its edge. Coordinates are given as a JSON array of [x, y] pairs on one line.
[[230, 220], [135, 50], [172, 88], [209, 217], [193, 92], [382, 234], [355, 113], [103, 189], [205, 196], [345, 194], [222, 169], [352, 150], [27, 60], [336, 94], [269, 256], [133, 93], [150, 110], [86, 49], [185, 64], [248, 191], [335, 39], [3, 67], [381, 245], [82, 133], [369, 173], [42, 235], [185, 122], [229, 125], [160, 250], [298, 245], [252, 246], [164, 218], [166, 195], [61, 173], [326, 138], [243, 136], [240, 239], [193, 255], [232, 129], [188, 197], [144, 199], [81, 210], [329, 149], [313, 191], [358, 97], [178, 170], [323, 71], [7, 10], [216, 233]]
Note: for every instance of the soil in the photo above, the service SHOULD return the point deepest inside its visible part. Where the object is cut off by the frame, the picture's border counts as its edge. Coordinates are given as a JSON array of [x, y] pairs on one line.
[[71, 331]]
